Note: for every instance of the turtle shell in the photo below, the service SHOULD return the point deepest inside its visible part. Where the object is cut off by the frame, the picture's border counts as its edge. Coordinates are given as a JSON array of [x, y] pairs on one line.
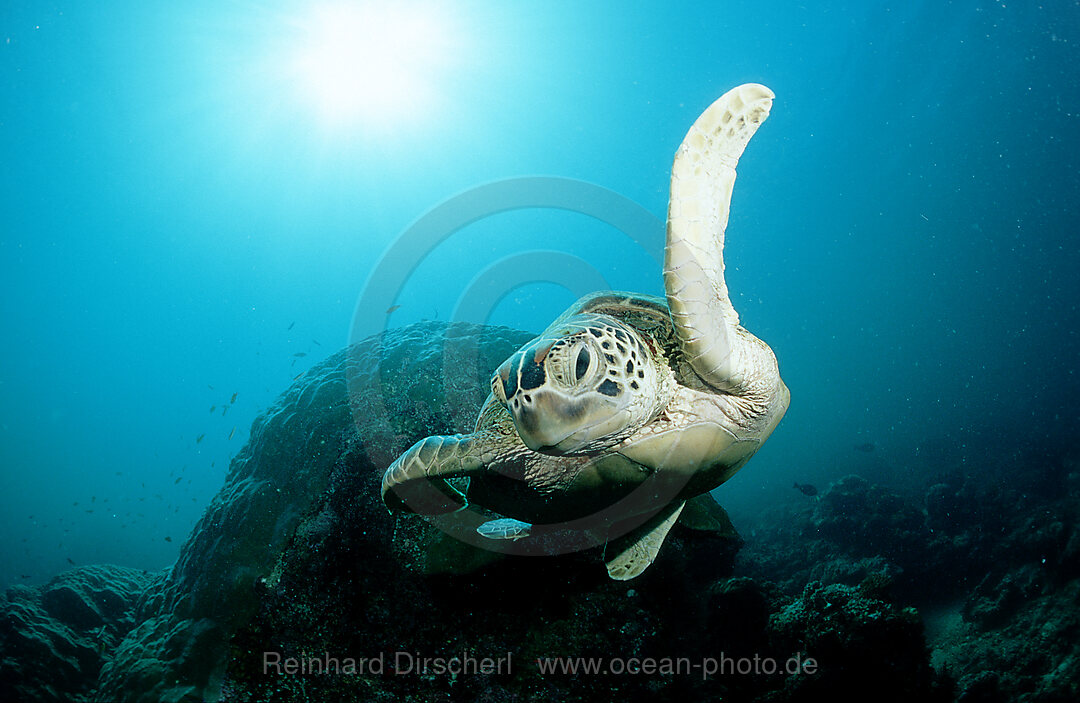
[[647, 314]]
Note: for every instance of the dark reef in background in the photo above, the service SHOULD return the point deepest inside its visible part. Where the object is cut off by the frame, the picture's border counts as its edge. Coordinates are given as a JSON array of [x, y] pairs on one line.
[[991, 556], [55, 639], [297, 555]]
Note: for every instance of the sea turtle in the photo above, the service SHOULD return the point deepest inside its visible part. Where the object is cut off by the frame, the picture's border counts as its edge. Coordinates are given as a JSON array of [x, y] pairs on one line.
[[628, 408]]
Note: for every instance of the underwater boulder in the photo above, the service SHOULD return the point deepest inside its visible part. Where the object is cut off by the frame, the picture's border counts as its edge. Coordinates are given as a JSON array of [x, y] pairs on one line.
[[864, 647], [348, 416], [869, 520], [996, 599], [1028, 650]]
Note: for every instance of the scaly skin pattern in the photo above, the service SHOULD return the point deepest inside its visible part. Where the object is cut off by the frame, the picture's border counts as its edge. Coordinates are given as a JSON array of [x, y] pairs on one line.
[[433, 460]]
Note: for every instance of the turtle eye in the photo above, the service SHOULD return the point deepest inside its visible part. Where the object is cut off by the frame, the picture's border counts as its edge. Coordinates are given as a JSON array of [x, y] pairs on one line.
[[581, 366]]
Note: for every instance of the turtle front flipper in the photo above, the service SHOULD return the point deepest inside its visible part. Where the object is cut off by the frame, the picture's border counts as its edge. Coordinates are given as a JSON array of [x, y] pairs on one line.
[[723, 354], [417, 480]]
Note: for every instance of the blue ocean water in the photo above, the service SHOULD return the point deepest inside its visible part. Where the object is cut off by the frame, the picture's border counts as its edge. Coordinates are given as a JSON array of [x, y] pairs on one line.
[[186, 225]]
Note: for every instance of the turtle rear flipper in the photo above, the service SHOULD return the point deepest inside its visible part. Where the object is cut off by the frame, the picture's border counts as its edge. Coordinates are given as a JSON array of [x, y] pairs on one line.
[[704, 514], [629, 555]]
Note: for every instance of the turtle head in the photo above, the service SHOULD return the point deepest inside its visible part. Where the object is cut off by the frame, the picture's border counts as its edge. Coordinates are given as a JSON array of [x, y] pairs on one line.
[[581, 387]]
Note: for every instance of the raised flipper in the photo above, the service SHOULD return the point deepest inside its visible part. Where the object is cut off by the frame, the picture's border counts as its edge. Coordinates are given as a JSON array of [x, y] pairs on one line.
[[629, 555], [723, 354]]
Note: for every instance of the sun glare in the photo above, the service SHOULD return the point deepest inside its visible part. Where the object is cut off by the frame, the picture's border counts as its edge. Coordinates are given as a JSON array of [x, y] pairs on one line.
[[372, 64]]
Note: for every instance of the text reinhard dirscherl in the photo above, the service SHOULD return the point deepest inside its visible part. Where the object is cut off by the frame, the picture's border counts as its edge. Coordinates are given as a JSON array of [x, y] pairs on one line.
[[405, 663]]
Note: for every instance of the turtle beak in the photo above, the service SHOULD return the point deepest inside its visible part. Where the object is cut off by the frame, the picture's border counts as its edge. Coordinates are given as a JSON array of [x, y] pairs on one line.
[[551, 423], [541, 434], [539, 427]]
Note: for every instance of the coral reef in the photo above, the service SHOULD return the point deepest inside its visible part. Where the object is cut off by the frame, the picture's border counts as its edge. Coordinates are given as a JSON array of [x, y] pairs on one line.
[[54, 639], [990, 556], [864, 646], [340, 590]]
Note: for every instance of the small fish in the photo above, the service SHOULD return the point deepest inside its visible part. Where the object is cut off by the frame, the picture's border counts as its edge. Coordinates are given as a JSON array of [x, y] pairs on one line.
[[806, 489], [316, 342], [178, 480], [168, 539], [505, 528], [200, 438], [231, 433], [300, 354], [24, 576], [297, 376], [392, 309], [291, 324], [209, 386], [213, 408], [865, 447], [224, 409], [70, 561], [233, 399]]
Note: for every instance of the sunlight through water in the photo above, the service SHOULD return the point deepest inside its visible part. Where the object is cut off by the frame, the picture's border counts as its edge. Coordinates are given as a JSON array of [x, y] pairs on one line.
[[371, 65]]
